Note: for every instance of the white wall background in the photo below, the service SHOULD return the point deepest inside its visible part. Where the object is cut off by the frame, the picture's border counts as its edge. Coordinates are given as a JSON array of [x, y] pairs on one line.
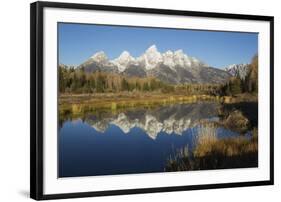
[[14, 100]]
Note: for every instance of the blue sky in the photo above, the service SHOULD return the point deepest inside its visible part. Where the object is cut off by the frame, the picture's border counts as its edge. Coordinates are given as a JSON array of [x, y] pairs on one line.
[[78, 42]]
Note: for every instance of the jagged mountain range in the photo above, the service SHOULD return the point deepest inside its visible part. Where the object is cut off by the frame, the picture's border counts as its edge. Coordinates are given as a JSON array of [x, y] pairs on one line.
[[238, 70], [173, 67]]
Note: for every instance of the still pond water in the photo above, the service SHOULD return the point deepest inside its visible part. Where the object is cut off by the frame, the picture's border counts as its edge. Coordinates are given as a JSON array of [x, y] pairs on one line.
[[134, 141]]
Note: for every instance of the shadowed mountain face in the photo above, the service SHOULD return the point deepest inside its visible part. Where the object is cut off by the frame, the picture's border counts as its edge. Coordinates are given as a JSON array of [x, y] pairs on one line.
[[171, 67], [174, 119], [135, 70]]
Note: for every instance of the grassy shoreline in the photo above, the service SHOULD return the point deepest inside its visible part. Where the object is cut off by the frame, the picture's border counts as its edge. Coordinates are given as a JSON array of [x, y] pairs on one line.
[[78, 103], [80, 106], [109, 100]]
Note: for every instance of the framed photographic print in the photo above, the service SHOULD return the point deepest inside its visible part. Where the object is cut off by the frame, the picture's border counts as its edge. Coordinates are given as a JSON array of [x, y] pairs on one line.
[[136, 100]]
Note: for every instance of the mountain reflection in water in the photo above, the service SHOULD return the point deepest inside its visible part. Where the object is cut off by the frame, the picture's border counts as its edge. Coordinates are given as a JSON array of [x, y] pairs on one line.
[[135, 141]]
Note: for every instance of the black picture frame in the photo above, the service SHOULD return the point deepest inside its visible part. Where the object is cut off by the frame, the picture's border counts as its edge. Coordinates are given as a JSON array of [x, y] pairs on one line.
[[36, 98]]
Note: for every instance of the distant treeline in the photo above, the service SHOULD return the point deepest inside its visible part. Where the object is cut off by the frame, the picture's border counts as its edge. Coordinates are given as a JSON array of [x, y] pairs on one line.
[[73, 80], [76, 80]]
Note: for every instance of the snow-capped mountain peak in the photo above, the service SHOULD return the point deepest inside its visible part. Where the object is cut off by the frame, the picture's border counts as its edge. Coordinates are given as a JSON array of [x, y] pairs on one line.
[[179, 52], [99, 57], [177, 58], [168, 58], [151, 58], [124, 55], [152, 48], [239, 70], [123, 61], [181, 59]]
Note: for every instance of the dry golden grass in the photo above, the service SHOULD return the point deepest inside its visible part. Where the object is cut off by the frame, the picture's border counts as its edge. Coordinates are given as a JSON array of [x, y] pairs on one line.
[[81, 104], [214, 153]]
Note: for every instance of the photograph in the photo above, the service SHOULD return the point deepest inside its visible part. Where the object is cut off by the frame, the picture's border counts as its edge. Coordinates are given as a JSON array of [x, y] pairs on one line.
[[136, 100]]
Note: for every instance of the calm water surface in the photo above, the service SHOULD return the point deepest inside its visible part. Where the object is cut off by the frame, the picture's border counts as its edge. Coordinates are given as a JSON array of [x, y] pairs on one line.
[[135, 141]]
